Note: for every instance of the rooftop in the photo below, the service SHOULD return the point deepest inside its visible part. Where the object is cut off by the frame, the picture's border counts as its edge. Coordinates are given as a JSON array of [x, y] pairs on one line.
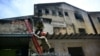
[[56, 4]]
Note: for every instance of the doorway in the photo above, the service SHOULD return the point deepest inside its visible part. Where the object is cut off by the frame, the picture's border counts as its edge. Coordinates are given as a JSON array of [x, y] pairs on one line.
[[75, 51]]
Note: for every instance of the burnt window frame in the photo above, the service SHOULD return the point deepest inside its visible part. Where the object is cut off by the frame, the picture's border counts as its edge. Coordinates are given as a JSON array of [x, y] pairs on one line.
[[47, 20], [39, 12], [60, 13], [98, 18], [78, 16], [66, 13], [47, 11], [76, 51], [82, 30]]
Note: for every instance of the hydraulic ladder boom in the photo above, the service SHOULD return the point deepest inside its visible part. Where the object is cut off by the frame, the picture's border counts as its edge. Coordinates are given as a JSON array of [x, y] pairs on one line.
[[34, 39]]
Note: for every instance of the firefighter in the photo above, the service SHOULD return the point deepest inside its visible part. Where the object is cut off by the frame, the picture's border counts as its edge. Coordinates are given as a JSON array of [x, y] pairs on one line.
[[44, 44], [39, 27]]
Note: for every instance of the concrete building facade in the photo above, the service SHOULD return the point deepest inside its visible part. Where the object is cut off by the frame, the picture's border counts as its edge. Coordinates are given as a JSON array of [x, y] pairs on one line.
[[14, 36], [65, 17], [95, 17], [87, 47], [17, 24], [68, 21], [75, 45], [71, 31]]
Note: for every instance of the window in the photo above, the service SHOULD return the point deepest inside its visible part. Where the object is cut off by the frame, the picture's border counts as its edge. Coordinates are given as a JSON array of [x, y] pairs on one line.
[[60, 14], [53, 12], [98, 19], [66, 14], [39, 12], [47, 20], [46, 11], [75, 51], [78, 16], [82, 30]]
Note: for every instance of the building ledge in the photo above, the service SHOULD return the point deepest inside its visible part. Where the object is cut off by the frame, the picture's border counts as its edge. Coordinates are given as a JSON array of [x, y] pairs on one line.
[[73, 36], [9, 41], [15, 35]]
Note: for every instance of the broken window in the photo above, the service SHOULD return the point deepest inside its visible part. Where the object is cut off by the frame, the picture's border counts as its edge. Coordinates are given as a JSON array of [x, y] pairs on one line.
[[98, 19], [78, 16], [60, 13], [38, 12], [82, 31], [46, 11], [66, 14]]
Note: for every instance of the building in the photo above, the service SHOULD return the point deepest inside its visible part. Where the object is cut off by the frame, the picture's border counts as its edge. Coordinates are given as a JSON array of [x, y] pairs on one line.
[[67, 18], [71, 31], [95, 18], [76, 30], [75, 45], [14, 37]]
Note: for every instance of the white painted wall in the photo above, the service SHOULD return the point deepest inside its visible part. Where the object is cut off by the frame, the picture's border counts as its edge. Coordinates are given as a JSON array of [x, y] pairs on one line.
[[48, 28]]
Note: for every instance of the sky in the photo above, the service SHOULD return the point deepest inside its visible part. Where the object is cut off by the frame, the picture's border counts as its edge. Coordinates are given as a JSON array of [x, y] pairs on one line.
[[15, 8]]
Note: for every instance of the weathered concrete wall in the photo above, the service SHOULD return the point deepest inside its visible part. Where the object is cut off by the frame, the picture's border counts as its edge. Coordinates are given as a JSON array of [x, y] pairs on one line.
[[90, 47], [78, 24], [69, 20], [48, 28], [13, 27], [95, 21]]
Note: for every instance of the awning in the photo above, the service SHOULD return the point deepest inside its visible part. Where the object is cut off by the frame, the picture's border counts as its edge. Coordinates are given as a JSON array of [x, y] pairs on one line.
[[14, 41]]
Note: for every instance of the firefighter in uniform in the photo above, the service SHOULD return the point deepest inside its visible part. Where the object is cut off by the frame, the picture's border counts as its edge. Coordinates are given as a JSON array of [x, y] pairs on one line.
[[39, 27]]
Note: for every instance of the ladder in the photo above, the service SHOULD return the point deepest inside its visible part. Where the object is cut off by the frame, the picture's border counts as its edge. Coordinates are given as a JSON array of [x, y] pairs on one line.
[[34, 39]]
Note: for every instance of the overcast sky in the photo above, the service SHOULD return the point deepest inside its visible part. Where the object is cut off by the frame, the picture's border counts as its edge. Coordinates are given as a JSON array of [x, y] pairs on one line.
[[14, 8]]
